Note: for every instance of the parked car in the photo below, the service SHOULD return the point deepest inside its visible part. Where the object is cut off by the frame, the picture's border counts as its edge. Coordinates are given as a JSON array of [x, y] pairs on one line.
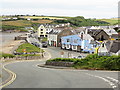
[[36, 44], [44, 44], [79, 57]]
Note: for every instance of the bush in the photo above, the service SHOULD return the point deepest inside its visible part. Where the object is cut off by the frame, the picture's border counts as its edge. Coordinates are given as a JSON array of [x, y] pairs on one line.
[[5, 55], [94, 62]]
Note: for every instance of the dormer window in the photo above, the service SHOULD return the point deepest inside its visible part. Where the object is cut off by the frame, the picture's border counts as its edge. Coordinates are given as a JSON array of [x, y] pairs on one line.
[[103, 45], [68, 40]]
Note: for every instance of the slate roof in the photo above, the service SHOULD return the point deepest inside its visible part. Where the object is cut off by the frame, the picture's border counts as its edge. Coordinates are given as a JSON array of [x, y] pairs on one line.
[[94, 32], [57, 30], [110, 31], [115, 36], [113, 46], [87, 37]]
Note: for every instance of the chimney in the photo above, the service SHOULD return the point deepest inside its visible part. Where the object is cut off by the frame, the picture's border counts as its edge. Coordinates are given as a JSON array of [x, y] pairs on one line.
[[82, 36], [86, 31]]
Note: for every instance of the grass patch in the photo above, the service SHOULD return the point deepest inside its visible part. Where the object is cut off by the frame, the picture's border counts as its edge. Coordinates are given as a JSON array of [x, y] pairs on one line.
[[29, 48]]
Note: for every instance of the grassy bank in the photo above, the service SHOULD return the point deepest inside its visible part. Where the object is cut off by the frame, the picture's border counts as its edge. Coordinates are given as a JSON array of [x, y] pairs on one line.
[[29, 48], [94, 62]]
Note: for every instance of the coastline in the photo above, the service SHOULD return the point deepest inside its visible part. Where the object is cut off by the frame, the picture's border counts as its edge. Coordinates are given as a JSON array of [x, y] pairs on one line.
[[7, 42]]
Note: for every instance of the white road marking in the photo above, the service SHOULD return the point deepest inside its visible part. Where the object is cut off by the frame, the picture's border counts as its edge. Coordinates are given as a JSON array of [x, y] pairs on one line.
[[106, 80], [115, 80]]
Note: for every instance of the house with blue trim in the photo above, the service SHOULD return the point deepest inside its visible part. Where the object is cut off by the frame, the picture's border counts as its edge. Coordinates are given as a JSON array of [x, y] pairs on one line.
[[80, 42]]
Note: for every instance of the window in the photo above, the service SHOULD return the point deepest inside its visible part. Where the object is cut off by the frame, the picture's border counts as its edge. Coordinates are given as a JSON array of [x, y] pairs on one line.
[[68, 40], [102, 45], [41, 29], [75, 41], [74, 47], [41, 32]]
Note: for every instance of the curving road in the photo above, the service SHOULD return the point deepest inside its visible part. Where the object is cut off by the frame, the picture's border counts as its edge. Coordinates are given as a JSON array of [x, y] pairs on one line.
[[29, 75]]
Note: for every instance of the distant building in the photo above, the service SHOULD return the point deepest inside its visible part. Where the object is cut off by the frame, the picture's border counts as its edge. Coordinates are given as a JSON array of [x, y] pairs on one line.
[[98, 34], [54, 37]]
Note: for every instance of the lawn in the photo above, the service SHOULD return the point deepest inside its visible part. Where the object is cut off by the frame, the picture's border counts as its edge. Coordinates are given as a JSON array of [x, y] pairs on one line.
[[28, 48]]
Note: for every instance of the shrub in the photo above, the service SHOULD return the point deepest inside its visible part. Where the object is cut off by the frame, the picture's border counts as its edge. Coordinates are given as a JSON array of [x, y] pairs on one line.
[[5, 55], [94, 62]]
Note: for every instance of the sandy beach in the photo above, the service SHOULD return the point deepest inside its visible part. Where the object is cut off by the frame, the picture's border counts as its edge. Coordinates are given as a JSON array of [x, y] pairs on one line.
[[8, 44], [9, 47]]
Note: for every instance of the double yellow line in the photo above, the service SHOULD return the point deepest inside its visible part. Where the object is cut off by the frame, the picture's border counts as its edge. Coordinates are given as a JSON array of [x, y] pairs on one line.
[[11, 78], [12, 75]]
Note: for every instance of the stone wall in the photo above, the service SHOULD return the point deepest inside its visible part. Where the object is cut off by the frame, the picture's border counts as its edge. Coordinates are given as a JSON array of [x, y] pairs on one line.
[[20, 38], [60, 63], [23, 58]]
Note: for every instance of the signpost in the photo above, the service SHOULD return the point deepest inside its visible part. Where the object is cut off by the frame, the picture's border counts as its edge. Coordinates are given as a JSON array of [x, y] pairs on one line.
[[24, 51]]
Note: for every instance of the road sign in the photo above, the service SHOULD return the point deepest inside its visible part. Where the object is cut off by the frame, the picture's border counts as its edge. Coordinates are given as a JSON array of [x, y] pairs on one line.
[[24, 50]]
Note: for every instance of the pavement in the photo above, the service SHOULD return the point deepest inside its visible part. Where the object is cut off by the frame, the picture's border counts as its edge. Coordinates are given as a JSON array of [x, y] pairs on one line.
[[29, 75]]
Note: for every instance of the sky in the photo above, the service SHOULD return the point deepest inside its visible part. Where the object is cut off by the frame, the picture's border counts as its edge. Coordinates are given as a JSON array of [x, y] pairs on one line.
[[86, 8]]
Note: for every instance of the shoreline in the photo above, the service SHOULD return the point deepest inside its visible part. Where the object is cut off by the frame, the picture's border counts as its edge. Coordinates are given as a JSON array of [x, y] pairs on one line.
[[7, 41], [8, 48]]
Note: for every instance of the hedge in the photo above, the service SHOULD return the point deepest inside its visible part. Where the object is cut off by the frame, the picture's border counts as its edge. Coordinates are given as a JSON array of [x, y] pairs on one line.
[[94, 62]]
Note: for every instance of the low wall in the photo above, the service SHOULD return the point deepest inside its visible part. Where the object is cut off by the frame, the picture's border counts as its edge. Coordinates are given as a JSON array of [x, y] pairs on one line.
[[20, 38], [23, 58], [60, 63]]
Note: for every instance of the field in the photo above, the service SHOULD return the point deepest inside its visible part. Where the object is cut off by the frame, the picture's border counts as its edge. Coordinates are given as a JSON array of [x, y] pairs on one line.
[[42, 21], [17, 23], [41, 17], [24, 22], [112, 21]]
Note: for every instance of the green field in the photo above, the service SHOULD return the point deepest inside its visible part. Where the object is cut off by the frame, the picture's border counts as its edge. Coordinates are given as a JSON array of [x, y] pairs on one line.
[[112, 21], [42, 17]]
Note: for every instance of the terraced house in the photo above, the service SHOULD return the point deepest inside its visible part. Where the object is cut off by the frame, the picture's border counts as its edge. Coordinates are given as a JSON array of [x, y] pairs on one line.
[[81, 42]]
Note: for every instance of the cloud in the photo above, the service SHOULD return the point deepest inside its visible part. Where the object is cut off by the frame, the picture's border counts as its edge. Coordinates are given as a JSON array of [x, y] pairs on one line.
[[88, 8]]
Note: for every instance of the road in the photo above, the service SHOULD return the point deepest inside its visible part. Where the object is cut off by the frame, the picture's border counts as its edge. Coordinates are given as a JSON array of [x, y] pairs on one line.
[[29, 75]]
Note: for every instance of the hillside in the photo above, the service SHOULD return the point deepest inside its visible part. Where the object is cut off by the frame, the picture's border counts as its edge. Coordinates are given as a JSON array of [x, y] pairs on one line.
[[27, 21], [112, 21]]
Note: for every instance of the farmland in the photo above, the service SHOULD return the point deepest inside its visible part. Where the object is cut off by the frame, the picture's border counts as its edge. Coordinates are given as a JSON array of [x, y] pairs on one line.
[[42, 17], [112, 21]]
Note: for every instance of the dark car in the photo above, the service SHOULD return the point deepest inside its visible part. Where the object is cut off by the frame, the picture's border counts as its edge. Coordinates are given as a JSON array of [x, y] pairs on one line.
[[44, 44]]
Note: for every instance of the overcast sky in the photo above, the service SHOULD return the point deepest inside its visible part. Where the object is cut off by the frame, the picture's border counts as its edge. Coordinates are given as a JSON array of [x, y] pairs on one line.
[[86, 8]]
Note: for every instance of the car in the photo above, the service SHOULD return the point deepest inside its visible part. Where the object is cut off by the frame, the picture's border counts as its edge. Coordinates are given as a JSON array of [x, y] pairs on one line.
[[79, 57], [44, 44]]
